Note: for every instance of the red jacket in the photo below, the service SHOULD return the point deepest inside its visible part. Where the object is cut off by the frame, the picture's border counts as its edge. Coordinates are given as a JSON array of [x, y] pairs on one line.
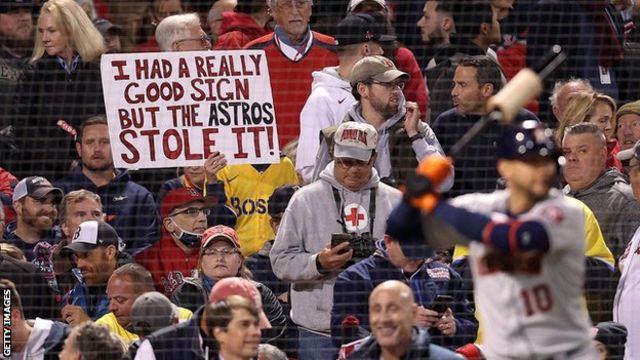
[[168, 264], [291, 80], [7, 183], [238, 29], [150, 45], [415, 90]]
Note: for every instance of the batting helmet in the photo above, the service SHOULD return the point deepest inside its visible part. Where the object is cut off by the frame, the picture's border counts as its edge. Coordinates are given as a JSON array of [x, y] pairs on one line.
[[528, 139]]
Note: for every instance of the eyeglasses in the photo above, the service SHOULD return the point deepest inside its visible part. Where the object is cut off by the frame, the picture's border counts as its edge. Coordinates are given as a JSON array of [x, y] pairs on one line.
[[204, 40], [350, 163], [193, 211], [391, 85], [224, 252], [289, 4]]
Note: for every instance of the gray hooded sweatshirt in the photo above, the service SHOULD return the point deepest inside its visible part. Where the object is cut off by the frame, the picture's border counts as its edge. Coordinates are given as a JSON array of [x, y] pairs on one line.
[[306, 228], [612, 202]]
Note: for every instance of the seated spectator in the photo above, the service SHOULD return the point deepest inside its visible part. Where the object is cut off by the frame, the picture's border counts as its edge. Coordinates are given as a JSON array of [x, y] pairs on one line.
[[219, 259], [391, 306], [427, 277], [564, 91], [7, 183], [603, 189], [37, 298], [111, 34], [214, 16], [129, 207], [184, 218], [125, 285], [610, 339], [75, 208], [29, 339], [260, 263], [182, 32], [203, 180], [270, 352], [151, 312], [246, 22], [628, 120], [236, 328], [596, 108], [96, 247], [92, 341], [36, 203], [12, 251]]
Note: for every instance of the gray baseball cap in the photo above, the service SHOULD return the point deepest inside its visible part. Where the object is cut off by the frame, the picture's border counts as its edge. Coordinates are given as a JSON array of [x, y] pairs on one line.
[[152, 311]]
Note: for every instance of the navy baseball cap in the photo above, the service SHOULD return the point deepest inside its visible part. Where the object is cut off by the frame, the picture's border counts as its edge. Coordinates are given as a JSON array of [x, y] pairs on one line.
[[362, 28], [279, 200], [8, 5], [93, 233], [36, 187], [530, 139]]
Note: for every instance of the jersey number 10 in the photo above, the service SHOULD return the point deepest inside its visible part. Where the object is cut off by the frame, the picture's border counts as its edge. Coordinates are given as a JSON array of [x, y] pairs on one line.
[[537, 299]]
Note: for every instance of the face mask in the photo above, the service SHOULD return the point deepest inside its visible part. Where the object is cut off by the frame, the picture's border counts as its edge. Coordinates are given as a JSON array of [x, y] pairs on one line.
[[188, 238]]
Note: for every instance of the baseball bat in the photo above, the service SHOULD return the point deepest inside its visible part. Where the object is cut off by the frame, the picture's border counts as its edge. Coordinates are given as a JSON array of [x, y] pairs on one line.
[[505, 105]]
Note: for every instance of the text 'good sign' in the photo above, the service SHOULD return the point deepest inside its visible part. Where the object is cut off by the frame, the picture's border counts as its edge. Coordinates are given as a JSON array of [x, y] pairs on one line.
[[175, 108]]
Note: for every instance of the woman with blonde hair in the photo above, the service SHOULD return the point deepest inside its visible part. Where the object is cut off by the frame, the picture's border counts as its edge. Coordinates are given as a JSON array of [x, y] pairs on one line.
[[60, 88], [596, 108]]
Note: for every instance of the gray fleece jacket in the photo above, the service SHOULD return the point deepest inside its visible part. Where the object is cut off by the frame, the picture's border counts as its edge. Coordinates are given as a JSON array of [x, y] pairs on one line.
[[612, 202], [306, 228]]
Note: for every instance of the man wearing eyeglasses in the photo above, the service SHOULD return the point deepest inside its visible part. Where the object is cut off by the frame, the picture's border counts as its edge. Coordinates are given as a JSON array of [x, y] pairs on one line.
[[350, 204], [182, 33], [403, 139], [184, 219]]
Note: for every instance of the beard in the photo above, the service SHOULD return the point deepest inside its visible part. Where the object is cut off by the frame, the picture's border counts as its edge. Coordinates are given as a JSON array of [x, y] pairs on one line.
[[40, 221], [386, 108], [98, 166]]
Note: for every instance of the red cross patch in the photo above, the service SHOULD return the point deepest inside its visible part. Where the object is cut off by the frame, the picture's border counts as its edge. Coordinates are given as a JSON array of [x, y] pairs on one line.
[[355, 217]]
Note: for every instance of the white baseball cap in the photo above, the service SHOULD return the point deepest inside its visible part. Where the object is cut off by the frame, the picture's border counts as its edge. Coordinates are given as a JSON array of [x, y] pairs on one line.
[[355, 140], [92, 234], [353, 4]]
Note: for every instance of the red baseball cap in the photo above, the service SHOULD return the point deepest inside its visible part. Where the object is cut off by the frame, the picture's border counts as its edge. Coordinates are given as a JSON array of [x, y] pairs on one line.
[[241, 287], [179, 197], [220, 232]]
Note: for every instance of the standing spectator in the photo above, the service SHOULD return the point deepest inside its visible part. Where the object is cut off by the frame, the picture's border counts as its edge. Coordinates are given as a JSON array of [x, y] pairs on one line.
[[182, 33], [426, 276], [564, 91], [214, 16], [247, 22], [111, 34], [628, 129], [158, 11], [348, 199], [97, 249], [175, 256], [603, 189], [404, 139], [36, 203], [436, 26], [235, 326], [220, 258], [30, 338], [357, 36], [16, 35], [92, 341], [293, 52], [391, 306], [476, 80], [59, 90], [596, 108], [7, 183], [415, 89], [625, 309], [125, 285], [129, 207]]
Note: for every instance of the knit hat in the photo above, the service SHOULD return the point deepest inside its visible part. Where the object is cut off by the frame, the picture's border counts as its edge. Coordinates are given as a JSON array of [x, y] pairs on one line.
[[629, 108], [614, 337], [353, 4]]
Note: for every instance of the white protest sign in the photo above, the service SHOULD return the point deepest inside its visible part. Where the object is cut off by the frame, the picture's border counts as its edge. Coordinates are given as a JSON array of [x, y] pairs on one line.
[[173, 109]]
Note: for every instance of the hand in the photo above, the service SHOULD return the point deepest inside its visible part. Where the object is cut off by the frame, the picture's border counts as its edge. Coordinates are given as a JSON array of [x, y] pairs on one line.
[[74, 315], [214, 163], [436, 169], [412, 118], [425, 317], [447, 324], [331, 259]]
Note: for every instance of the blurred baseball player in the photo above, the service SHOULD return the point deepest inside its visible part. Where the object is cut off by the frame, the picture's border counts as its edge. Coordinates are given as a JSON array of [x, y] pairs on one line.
[[526, 243]]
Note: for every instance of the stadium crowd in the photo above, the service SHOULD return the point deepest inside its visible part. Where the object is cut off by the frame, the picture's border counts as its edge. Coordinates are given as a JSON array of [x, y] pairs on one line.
[[324, 254]]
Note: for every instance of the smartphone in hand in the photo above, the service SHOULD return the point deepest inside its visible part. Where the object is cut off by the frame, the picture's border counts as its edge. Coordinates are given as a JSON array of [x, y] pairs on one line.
[[441, 303], [337, 239]]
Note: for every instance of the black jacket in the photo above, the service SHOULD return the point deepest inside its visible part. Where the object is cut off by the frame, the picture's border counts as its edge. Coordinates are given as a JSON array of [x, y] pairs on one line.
[[45, 96], [420, 348]]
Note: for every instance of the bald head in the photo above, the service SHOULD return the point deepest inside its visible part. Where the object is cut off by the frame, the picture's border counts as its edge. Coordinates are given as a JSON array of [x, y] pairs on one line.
[[401, 290], [564, 92], [391, 314]]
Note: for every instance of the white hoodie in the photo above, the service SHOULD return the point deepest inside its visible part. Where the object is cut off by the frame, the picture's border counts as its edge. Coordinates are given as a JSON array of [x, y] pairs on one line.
[[327, 105]]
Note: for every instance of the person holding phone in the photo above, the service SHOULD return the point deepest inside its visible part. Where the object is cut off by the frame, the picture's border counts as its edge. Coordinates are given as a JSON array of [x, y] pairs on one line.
[[442, 307]]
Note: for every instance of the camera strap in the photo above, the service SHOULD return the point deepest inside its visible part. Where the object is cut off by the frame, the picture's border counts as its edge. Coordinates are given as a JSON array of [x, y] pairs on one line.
[[372, 208]]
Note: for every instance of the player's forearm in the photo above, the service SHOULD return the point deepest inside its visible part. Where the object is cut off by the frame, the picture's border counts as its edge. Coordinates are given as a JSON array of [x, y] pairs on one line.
[[512, 236]]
